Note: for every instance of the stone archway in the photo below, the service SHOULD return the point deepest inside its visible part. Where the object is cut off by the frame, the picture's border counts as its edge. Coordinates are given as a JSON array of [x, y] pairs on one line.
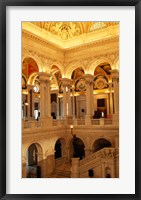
[[60, 147], [77, 148], [100, 144], [34, 157]]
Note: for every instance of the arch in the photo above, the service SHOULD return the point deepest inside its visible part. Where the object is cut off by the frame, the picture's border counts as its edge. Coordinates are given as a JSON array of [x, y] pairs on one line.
[[95, 63], [34, 156], [60, 148], [32, 78], [54, 82], [24, 81], [35, 58], [77, 147], [71, 67], [116, 63], [59, 66], [100, 144]]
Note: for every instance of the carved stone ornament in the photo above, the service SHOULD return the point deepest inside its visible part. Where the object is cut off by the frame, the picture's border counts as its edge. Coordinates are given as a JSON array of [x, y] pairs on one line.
[[100, 83], [81, 86]]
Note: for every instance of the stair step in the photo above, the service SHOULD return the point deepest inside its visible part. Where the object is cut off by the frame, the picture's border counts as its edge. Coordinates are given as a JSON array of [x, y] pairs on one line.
[[60, 174]]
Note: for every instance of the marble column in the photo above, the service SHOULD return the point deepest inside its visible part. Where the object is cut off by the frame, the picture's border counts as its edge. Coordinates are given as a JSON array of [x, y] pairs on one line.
[[42, 78], [75, 168], [69, 102], [66, 83], [58, 105], [89, 96], [111, 98], [115, 77], [45, 103], [64, 101], [48, 100], [73, 99], [30, 101]]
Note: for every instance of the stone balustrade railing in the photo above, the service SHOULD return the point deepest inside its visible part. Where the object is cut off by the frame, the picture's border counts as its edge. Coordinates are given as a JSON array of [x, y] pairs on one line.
[[105, 152], [80, 168], [61, 122]]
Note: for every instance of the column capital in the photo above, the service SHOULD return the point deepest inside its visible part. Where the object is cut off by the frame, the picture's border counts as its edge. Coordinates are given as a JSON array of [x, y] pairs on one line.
[[43, 76], [30, 87], [89, 78], [67, 82], [115, 74]]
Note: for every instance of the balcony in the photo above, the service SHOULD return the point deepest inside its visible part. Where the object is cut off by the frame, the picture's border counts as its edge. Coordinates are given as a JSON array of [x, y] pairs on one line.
[[58, 123]]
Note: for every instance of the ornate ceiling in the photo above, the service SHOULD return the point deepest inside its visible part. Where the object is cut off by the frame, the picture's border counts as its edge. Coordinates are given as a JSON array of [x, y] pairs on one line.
[[70, 34], [69, 30]]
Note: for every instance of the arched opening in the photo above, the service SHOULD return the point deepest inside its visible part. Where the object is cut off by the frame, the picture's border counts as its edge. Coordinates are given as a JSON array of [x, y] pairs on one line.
[[34, 161], [60, 148], [100, 144], [79, 109], [29, 73], [77, 148], [102, 77], [56, 103]]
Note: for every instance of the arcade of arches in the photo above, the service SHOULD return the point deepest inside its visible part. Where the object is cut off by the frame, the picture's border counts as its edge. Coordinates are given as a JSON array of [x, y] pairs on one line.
[[70, 99]]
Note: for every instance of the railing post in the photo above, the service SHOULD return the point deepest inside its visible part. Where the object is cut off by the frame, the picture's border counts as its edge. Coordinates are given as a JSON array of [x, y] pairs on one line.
[[101, 121], [75, 168]]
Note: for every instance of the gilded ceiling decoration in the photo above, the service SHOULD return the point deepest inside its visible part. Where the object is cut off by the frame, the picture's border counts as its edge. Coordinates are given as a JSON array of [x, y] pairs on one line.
[[68, 30]]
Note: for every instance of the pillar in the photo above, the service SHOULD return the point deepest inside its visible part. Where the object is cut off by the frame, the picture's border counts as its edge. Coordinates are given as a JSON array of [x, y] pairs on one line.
[[58, 105], [115, 77], [30, 101], [75, 168], [66, 97], [42, 77], [111, 98], [48, 100], [69, 101], [64, 101], [89, 97], [73, 100], [45, 103]]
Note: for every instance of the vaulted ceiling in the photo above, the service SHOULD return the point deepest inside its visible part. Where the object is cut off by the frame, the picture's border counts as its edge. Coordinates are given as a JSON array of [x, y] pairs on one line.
[[68, 30], [70, 34]]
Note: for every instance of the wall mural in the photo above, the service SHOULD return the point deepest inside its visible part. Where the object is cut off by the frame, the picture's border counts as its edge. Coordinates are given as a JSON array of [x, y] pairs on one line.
[[80, 85]]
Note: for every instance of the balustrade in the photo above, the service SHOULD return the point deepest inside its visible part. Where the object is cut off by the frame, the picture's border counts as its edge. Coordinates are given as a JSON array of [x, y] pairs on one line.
[[94, 122]]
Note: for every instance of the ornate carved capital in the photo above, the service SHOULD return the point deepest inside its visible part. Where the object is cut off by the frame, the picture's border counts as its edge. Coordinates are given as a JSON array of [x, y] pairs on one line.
[[89, 79], [66, 82], [115, 74], [43, 77]]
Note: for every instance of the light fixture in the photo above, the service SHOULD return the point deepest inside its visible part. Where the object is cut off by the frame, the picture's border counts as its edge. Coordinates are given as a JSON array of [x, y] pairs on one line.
[[73, 135], [71, 126], [26, 104]]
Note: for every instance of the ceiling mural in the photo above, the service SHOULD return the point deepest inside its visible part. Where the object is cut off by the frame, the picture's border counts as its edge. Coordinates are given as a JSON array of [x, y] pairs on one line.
[[68, 30]]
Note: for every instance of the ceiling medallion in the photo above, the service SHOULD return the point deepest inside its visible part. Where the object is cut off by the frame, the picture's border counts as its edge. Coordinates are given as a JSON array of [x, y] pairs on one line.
[[65, 30]]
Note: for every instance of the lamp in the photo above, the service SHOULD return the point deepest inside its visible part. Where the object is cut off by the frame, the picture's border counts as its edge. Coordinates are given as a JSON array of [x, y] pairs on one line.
[[71, 126]]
